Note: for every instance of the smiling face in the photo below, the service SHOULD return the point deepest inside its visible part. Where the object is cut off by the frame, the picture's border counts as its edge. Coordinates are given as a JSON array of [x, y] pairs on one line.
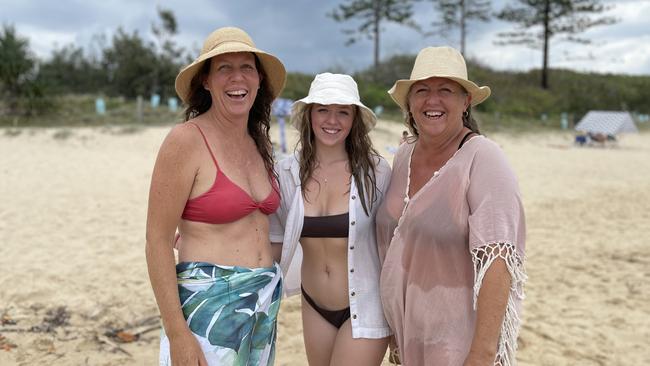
[[331, 123], [437, 106], [233, 82]]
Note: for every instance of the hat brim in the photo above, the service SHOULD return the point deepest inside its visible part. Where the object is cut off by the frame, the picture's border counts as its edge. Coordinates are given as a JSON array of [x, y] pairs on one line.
[[298, 109], [273, 68], [399, 91]]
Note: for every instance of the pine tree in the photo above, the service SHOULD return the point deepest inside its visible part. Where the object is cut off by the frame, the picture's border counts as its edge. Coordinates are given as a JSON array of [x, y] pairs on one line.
[[540, 20], [458, 13], [372, 14]]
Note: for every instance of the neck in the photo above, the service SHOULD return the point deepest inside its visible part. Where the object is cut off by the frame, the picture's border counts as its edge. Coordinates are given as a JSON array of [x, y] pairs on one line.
[[235, 127], [326, 155], [435, 145]]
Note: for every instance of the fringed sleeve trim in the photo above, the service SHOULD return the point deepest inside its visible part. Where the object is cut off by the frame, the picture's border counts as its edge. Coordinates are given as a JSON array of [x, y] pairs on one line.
[[483, 257]]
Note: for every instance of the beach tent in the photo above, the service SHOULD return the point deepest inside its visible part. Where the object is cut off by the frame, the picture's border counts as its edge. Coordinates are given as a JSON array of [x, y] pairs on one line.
[[607, 122]]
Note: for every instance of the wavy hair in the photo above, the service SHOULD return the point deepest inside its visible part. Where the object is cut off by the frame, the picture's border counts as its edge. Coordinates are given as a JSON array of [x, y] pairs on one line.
[[259, 117], [362, 156]]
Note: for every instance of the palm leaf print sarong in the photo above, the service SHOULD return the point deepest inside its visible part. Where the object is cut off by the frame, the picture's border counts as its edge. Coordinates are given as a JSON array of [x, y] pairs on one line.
[[232, 312]]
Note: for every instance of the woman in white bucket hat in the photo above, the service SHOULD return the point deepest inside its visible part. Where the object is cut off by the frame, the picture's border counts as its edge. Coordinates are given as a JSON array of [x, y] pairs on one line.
[[330, 190], [451, 229], [213, 181]]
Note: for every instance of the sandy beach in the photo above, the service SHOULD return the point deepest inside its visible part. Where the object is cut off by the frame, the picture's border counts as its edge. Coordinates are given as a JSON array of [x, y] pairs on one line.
[[73, 280]]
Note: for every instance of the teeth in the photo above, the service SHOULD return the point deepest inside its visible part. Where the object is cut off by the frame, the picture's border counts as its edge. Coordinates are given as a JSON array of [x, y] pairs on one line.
[[237, 92], [433, 114], [330, 131]]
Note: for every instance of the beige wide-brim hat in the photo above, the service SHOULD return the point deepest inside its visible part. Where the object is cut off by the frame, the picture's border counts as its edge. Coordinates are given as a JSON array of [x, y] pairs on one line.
[[441, 62], [228, 40], [328, 88]]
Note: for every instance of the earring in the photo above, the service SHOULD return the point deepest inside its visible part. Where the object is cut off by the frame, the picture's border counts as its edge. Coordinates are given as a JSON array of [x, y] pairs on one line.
[[466, 113]]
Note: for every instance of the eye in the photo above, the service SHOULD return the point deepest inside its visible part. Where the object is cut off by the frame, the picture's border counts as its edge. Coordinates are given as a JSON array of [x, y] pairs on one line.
[[420, 90], [445, 92], [248, 67], [344, 112], [321, 110], [224, 67]]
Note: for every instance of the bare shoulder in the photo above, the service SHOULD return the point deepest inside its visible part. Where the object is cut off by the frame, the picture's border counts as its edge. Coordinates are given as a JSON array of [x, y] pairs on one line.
[[181, 141]]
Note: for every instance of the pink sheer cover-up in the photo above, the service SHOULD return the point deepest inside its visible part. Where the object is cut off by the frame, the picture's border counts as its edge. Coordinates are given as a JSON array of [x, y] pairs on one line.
[[437, 246]]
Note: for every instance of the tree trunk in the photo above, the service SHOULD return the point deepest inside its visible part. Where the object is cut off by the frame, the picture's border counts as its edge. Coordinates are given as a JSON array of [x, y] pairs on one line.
[[376, 31], [547, 34], [462, 27]]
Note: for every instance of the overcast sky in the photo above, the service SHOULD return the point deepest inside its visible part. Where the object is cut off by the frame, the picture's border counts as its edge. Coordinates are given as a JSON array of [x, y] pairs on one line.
[[306, 40]]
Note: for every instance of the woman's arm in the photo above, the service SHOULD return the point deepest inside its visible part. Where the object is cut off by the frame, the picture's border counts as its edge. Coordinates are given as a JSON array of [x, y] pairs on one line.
[[171, 183], [496, 245], [278, 218], [490, 309]]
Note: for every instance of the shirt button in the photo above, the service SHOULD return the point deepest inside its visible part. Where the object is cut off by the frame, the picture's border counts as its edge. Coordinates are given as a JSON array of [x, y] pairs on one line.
[[353, 293], [352, 270], [352, 247], [354, 197], [406, 199], [354, 316], [352, 223], [436, 173]]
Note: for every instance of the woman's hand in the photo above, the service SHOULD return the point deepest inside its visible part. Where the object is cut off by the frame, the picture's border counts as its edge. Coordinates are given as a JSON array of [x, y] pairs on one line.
[[186, 351]]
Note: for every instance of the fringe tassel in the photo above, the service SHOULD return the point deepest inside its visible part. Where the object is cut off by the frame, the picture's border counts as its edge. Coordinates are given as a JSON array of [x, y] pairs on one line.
[[483, 257]]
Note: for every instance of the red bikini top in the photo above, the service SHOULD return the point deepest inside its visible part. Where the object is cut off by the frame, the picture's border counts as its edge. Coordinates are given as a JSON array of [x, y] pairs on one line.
[[225, 201]]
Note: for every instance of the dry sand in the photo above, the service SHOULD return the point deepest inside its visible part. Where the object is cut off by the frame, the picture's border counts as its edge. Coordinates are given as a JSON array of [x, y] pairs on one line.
[[73, 273]]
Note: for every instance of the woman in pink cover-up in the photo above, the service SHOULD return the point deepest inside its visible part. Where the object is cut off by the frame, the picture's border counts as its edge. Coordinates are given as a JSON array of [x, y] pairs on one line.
[[451, 229]]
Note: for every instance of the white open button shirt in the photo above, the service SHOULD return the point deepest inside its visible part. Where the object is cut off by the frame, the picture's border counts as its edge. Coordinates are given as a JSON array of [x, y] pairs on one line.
[[366, 313]]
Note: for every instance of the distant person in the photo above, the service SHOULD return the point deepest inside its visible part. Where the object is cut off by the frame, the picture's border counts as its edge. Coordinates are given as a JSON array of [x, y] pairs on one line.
[[213, 180], [581, 139], [331, 189], [451, 229], [597, 137]]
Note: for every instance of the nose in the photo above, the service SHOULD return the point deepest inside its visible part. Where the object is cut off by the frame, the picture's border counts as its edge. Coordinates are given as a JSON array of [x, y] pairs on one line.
[[433, 96], [236, 74], [332, 117]]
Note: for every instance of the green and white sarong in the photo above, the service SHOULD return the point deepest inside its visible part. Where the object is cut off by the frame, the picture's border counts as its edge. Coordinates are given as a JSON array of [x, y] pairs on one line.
[[232, 312]]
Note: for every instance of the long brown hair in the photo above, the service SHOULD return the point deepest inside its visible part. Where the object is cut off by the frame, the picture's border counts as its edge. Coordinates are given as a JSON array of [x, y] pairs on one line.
[[468, 119], [259, 117], [362, 156]]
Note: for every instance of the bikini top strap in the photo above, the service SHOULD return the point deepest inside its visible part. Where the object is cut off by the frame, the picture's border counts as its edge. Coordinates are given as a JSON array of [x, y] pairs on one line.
[[206, 143], [465, 139]]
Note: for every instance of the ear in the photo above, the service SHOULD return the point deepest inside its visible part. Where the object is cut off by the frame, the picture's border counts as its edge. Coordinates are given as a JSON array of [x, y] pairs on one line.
[[468, 101], [204, 82]]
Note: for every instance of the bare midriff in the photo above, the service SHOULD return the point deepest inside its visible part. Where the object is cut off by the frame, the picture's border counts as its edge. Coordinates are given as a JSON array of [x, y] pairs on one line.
[[243, 243], [324, 271]]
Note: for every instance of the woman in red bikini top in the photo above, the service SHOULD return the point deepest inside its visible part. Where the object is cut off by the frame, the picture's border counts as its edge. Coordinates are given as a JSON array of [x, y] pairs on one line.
[[213, 181]]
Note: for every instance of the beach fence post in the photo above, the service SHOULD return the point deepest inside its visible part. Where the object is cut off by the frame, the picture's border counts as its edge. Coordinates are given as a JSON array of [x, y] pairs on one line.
[[379, 109], [139, 109], [564, 120], [172, 103], [155, 101], [100, 106]]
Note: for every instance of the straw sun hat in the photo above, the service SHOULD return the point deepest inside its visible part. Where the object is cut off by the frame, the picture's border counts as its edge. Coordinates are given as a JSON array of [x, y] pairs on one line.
[[227, 40], [442, 62], [330, 88]]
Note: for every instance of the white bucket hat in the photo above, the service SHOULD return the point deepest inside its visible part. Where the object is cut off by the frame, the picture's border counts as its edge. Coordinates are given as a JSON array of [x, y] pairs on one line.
[[441, 62], [328, 88], [228, 40]]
